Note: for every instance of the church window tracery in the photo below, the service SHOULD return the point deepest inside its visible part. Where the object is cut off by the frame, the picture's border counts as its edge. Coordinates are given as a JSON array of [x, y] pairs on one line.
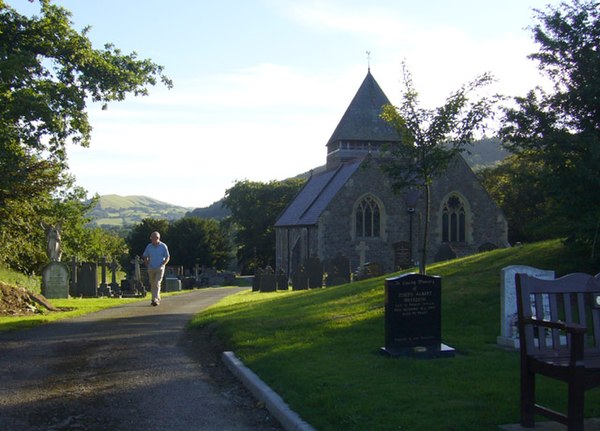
[[454, 220], [368, 218]]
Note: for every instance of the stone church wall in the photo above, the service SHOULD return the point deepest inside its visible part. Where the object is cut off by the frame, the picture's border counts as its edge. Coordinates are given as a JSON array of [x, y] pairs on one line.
[[336, 227], [335, 234], [486, 224]]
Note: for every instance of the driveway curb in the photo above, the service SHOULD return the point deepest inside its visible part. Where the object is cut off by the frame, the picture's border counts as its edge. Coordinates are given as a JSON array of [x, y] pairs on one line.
[[288, 419]]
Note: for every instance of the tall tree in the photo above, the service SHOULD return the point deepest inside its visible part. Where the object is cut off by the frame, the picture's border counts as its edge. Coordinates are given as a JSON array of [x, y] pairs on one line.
[[48, 73], [254, 208], [195, 240], [560, 130], [431, 138], [514, 184]]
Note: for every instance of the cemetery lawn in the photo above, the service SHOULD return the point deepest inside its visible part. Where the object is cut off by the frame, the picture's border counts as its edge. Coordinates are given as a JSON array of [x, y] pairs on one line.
[[71, 307], [319, 350]]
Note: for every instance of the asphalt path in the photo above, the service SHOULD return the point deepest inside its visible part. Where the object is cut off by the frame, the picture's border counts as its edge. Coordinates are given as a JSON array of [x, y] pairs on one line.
[[133, 367]]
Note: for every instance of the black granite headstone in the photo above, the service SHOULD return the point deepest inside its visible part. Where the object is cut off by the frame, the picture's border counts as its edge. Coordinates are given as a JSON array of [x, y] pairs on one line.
[[299, 279], [268, 282], [87, 280], [338, 271], [314, 270], [413, 317], [256, 280], [282, 280]]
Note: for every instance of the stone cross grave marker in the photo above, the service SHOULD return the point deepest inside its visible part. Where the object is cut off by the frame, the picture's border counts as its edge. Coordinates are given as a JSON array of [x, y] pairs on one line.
[[413, 317], [509, 335]]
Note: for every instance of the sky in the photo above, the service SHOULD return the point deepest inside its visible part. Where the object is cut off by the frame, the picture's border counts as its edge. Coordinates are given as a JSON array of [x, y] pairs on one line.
[[260, 85]]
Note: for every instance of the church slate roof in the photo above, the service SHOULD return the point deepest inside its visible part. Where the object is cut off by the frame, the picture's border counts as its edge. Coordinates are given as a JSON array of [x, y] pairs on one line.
[[316, 195], [362, 121]]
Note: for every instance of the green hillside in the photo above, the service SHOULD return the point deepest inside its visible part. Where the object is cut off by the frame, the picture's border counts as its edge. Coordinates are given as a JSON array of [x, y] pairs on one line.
[[319, 349], [116, 210]]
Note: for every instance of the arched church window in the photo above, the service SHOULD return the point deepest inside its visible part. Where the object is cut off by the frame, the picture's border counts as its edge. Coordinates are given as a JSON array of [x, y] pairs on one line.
[[368, 218], [454, 220]]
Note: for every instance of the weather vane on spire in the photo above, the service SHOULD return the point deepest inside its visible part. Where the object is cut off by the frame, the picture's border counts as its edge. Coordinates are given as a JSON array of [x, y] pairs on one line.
[[368, 59]]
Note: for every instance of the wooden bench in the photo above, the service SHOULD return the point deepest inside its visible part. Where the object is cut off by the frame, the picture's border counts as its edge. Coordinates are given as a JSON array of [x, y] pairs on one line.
[[559, 331]]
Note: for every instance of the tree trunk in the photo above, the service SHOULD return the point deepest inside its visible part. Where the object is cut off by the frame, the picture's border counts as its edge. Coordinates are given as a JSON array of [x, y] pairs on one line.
[[422, 263]]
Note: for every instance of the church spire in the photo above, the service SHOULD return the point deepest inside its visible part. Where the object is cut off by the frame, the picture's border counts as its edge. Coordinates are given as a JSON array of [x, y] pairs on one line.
[[368, 61], [361, 128]]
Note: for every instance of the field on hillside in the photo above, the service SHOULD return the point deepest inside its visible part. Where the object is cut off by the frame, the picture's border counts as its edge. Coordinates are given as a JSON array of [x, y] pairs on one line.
[[115, 210]]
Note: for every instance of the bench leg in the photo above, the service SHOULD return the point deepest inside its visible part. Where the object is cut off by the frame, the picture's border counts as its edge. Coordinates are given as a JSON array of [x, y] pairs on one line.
[[527, 399], [576, 404]]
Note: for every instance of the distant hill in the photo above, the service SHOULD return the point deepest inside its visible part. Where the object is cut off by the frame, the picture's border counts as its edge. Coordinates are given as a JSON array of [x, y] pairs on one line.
[[485, 152], [215, 211], [114, 211], [120, 211]]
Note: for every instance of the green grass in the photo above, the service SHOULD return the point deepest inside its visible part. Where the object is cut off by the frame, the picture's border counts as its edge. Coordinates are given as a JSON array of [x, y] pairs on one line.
[[319, 350], [74, 307], [32, 283]]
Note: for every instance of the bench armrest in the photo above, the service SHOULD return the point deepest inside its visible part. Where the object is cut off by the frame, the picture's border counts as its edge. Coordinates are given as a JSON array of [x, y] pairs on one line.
[[570, 328], [575, 330]]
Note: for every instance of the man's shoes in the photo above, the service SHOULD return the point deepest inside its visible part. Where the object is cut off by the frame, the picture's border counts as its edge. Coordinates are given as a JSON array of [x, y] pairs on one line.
[[154, 303]]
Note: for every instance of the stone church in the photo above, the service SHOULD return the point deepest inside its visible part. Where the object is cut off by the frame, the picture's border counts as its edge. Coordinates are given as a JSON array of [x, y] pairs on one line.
[[349, 209]]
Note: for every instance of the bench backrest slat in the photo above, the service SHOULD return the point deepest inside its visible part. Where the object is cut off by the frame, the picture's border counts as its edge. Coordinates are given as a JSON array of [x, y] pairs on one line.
[[596, 325], [570, 299]]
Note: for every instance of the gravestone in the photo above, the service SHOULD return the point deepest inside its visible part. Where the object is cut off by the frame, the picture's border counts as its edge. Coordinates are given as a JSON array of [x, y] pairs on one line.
[[172, 284], [87, 280], [103, 289], [73, 273], [55, 280], [268, 283], [256, 280], [487, 246], [282, 280], [413, 317], [402, 255], [314, 271], [299, 279], [509, 335], [445, 252], [114, 286], [338, 271], [368, 270]]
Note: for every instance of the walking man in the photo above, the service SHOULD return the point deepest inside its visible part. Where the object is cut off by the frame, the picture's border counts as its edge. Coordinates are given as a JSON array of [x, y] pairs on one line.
[[156, 256]]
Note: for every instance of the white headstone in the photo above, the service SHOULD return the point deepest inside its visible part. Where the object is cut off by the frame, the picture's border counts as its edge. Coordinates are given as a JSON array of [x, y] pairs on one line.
[[509, 336], [55, 280]]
